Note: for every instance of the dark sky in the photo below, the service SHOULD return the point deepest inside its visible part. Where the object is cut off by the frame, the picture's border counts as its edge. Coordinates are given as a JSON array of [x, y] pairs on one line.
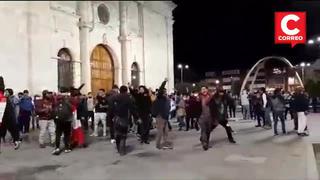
[[228, 34]]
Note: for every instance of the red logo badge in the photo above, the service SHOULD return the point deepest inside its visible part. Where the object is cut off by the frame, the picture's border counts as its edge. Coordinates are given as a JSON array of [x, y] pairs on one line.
[[290, 28]]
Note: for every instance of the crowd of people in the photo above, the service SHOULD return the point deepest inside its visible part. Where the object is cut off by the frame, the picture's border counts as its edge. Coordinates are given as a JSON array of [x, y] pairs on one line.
[[264, 106], [75, 116]]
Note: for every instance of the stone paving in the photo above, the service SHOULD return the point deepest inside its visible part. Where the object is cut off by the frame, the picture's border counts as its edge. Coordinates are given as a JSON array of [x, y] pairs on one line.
[[257, 155]]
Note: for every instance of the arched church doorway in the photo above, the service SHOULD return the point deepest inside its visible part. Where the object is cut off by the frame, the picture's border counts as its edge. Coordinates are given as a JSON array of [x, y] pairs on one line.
[[135, 77], [102, 69], [65, 69]]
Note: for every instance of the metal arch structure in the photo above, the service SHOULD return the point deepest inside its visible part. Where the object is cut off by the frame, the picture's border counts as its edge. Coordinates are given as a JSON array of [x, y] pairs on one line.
[[264, 60]]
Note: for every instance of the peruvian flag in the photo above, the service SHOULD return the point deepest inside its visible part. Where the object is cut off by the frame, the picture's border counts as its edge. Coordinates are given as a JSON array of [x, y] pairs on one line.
[[77, 137], [3, 103]]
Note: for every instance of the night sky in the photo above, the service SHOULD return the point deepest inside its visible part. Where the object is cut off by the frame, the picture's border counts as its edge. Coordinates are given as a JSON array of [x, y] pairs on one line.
[[229, 34]]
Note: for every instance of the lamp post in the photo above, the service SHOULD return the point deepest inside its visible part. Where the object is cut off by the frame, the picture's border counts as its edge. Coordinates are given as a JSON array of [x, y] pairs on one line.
[[303, 65], [182, 67]]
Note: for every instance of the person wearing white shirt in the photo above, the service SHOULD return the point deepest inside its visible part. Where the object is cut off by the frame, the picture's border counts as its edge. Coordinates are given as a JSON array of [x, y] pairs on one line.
[[267, 109], [245, 104]]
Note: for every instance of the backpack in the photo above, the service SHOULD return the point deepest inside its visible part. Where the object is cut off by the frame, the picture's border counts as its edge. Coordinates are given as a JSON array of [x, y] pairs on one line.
[[277, 105], [63, 112]]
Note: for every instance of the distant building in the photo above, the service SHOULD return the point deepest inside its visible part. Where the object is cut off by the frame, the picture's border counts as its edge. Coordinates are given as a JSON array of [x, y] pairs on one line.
[[313, 72]]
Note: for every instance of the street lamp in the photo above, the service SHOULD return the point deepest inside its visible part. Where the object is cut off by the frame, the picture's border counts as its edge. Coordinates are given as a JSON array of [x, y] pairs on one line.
[[303, 65], [193, 85], [217, 82], [318, 38], [182, 67], [311, 41]]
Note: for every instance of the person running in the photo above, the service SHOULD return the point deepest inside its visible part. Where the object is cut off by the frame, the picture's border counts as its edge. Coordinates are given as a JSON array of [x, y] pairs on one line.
[[63, 118], [121, 106], [278, 110], [101, 108], [44, 111], [161, 110]]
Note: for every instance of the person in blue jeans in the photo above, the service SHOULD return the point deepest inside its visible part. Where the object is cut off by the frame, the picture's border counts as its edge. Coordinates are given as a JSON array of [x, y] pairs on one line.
[[26, 109]]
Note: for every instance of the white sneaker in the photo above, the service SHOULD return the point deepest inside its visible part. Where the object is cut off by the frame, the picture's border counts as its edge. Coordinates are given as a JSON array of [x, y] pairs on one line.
[[113, 141], [95, 135]]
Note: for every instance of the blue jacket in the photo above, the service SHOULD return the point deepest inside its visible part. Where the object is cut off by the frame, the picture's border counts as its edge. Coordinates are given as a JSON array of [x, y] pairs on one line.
[[26, 104]]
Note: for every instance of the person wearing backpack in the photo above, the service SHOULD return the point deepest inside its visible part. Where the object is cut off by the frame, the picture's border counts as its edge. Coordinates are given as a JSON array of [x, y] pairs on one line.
[[63, 119], [278, 110]]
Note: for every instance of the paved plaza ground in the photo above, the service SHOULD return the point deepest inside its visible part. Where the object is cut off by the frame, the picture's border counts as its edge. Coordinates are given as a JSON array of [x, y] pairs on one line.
[[257, 155]]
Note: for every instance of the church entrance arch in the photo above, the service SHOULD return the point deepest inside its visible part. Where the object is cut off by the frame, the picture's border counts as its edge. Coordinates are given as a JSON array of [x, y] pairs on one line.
[[102, 69]]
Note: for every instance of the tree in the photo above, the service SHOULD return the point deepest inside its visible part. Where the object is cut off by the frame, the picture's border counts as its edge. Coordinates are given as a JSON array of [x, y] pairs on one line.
[[313, 88]]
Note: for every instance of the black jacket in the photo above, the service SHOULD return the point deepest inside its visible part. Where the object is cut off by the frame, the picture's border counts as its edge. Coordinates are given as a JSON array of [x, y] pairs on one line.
[[161, 106], [218, 108], [122, 106], [82, 109], [300, 103]]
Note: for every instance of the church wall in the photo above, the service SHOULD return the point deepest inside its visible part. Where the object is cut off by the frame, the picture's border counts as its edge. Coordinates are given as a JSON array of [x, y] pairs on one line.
[[108, 35], [156, 58], [38, 30], [13, 46]]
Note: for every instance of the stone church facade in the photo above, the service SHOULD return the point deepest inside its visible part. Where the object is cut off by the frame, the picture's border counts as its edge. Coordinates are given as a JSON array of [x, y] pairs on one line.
[[55, 44]]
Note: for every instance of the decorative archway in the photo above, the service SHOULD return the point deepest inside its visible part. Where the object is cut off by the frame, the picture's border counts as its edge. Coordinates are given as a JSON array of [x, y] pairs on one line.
[[135, 74], [65, 69], [263, 60], [102, 69]]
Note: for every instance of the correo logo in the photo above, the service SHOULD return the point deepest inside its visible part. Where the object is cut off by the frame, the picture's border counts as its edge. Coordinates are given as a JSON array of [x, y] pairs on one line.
[[290, 28]]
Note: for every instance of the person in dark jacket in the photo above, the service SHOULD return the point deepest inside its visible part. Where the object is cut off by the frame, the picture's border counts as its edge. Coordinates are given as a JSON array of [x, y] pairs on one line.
[[122, 106], [110, 114], [82, 112], [218, 111], [231, 103], [143, 103], [278, 110], [257, 104], [301, 106], [63, 118], [193, 111], [161, 110], [7, 121], [26, 109]]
